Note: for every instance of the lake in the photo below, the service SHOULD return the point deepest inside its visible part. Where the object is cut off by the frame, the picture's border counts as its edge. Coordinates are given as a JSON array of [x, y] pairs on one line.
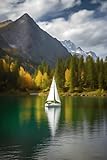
[[76, 131]]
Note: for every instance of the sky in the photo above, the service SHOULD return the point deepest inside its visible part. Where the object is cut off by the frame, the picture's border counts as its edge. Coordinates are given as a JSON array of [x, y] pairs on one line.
[[84, 22]]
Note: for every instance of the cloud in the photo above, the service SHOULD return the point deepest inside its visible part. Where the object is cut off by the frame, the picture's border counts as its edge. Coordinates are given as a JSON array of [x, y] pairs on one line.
[[69, 3], [95, 1], [36, 8], [82, 29], [103, 7]]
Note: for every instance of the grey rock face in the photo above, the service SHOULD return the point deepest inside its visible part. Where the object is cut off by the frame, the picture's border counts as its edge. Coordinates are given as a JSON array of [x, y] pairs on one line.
[[5, 23], [32, 42], [3, 43]]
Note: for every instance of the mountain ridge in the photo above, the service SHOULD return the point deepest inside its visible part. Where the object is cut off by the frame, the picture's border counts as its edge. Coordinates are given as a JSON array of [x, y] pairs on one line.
[[5, 23], [31, 42], [74, 50]]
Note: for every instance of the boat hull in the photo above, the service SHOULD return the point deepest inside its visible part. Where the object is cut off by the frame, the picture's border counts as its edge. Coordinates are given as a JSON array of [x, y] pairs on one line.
[[52, 105]]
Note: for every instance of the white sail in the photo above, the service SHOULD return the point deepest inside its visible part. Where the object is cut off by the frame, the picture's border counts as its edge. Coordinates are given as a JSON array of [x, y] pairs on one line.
[[53, 93], [53, 115], [56, 94]]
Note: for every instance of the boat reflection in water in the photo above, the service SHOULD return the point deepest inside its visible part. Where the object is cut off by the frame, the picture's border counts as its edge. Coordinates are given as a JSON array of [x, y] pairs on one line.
[[53, 115]]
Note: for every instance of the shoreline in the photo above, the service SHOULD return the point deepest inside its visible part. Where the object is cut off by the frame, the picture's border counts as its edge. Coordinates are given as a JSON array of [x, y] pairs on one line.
[[96, 93]]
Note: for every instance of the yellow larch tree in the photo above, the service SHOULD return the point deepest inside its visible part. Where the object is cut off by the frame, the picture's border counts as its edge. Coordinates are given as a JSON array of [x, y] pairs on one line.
[[67, 77], [5, 65], [25, 79], [28, 80], [38, 79], [12, 67]]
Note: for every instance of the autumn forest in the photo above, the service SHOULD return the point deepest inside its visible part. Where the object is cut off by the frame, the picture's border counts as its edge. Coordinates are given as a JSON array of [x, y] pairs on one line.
[[72, 74]]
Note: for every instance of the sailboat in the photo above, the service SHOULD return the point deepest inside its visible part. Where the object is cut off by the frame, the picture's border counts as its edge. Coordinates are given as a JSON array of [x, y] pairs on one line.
[[53, 97]]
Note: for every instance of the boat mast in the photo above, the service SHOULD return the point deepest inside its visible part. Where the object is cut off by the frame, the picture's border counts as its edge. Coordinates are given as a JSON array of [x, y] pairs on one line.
[[54, 91]]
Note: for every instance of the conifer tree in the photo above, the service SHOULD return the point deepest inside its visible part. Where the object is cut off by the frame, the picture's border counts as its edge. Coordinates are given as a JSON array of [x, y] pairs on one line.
[[90, 72], [67, 62], [59, 73], [72, 75], [97, 69], [101, 75], [45, 80], [81, 77], [105, 75], [14, 74], [75, 61]]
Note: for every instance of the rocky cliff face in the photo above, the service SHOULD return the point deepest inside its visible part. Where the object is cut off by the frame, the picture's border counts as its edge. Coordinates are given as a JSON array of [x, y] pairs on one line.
[[3, 43], [31, 42], [5, 23]]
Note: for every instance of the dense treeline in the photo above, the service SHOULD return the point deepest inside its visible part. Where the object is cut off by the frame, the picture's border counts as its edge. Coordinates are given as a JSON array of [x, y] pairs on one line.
[[72, 74], [79, 74]]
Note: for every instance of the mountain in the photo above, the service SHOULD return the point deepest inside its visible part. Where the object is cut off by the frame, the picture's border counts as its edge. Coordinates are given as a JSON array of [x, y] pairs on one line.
[[71, 47], [31, 42], [3, 43], [91, 53], [81, 52], [5, 23]]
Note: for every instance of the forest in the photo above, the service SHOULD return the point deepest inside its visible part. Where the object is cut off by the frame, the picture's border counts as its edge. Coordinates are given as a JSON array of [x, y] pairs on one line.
[[72, 74]]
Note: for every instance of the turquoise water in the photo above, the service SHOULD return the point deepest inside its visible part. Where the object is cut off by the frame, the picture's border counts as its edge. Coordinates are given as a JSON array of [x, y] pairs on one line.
[[76, 131]]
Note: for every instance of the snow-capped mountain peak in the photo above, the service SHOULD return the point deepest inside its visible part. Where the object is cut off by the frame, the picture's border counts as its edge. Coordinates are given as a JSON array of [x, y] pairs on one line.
[[91, 53], [81, 52], [71, 47]]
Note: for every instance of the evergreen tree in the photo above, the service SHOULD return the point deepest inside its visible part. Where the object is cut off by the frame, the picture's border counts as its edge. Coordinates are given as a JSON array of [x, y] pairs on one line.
[[59, 73], [105, 75], [45, 80], [90, 72], [101, 75], [43, 67], [97, 69], [72, 75], [14, 74], [67, 62], [75, 66], [81, 73]]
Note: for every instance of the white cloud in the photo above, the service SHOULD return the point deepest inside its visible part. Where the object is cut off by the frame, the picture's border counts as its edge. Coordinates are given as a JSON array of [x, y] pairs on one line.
[[36, 8], [69, 3], [82, 29], [102, 3], [103, 7]]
